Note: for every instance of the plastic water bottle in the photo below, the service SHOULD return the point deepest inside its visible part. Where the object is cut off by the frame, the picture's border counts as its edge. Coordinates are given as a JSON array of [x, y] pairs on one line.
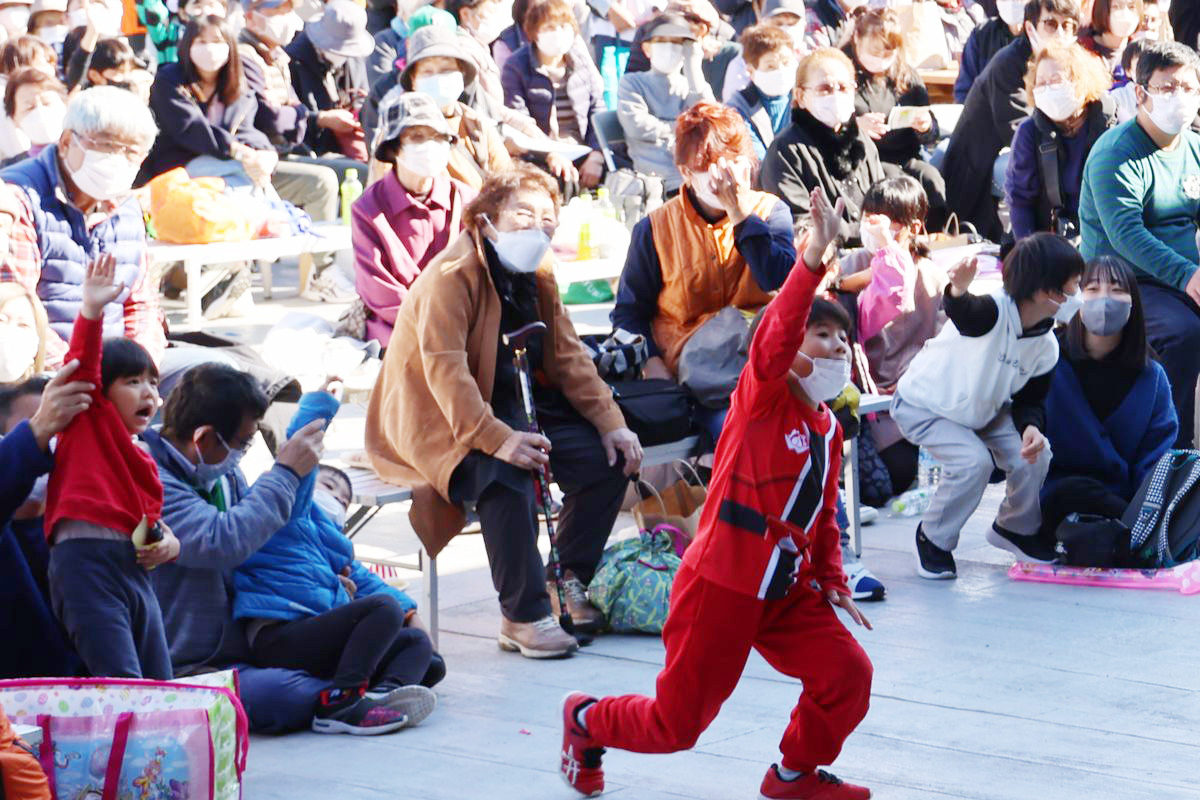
[[929, 471], [604, 206], [352, 189], [584, 251], [913, 503]]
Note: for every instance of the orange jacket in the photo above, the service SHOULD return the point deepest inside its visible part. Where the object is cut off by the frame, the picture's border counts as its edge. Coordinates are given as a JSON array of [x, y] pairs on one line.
[[702, 271], [21, 775]]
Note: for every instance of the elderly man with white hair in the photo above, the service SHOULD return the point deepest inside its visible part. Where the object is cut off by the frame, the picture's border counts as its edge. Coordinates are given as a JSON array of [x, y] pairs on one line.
[[74, 204]]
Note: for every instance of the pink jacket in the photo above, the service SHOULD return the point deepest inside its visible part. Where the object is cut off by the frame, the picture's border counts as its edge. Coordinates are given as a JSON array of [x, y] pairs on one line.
[[890, 293], [395, 235]]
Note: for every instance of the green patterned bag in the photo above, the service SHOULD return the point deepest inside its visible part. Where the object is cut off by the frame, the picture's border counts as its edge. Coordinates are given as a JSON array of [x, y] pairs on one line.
[[632, 586]]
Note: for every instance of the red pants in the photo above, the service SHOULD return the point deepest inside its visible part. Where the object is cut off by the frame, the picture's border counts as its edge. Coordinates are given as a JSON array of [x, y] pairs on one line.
[[708, 636]]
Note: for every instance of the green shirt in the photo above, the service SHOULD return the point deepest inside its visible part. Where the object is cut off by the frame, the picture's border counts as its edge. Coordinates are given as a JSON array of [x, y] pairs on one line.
[[1141, 203]]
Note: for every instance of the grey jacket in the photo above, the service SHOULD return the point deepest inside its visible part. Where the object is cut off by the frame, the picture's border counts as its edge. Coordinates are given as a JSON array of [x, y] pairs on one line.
[[648, 103], [196, 591]]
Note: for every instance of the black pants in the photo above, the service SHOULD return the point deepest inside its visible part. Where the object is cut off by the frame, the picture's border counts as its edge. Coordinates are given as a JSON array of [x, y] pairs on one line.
[[505, 498], [1173, 329], [1078, 495], [361, 643]]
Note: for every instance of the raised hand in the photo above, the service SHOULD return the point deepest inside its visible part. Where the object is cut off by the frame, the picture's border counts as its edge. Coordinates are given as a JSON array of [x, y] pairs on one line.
[[826, 225], [99, 288], [961, 275]]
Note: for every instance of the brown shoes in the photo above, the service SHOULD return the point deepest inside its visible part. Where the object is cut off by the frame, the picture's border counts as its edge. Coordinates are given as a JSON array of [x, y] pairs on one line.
[[544, 638], [587, 618]]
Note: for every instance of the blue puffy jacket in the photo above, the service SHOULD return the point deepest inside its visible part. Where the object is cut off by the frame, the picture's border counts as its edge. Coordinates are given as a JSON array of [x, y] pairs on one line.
[[295, 574]]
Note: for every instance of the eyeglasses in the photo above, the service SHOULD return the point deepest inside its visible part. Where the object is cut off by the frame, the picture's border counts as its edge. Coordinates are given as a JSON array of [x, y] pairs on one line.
[[826, 89], [1056, 82], [243, 448], [132, 152], [1068, 26], [1174, 87]]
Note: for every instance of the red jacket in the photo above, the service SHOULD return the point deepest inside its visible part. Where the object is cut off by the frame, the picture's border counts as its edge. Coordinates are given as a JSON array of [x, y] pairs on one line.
[[100, 475], [775, 478]]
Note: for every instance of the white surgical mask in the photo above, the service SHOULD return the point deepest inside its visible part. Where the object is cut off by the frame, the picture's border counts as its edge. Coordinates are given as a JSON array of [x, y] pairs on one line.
[[874, 238], [44, 124], [332, 507], [15, 20], [52, 34], [829, 377], [18, 350], [281, 29], [1123, 23], [556, 41], [104, 176], [1172, 113], [1069, 307], [489, 28], [521, 251], [333, 59], [445, 87], [209, 56], [701, 185], [1059, 103], [875, 65], [665, 57], [1011, 11], [775, 82], [426, 158], [833, 109], [208, 474]]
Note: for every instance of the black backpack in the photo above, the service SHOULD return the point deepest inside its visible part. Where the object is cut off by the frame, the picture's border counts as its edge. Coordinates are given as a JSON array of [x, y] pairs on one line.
[[1164, 517]]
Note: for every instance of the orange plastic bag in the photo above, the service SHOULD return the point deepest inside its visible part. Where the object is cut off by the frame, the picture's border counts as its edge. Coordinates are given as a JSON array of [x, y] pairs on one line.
[[186, 210]]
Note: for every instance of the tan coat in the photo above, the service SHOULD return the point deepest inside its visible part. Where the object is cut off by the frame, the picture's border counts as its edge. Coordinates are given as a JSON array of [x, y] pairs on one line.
[[431, 405]]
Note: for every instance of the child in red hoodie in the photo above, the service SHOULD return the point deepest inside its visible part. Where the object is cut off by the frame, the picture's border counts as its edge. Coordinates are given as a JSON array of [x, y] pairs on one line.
[[103, 488], [765, 571]]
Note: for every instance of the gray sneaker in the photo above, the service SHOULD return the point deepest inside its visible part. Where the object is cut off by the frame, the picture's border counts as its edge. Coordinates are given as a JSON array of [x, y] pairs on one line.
[[544, 638], [415, 702]]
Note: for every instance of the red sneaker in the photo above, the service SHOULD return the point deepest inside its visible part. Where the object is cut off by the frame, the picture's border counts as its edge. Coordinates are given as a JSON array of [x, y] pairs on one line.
[[819, 785], [581, 753]]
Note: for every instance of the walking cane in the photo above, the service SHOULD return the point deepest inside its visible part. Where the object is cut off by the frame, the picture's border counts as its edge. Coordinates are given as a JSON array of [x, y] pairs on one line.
[[518, 340]]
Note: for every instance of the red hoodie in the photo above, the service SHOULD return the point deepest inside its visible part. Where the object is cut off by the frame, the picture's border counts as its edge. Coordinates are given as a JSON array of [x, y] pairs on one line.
[[100, 475], [777, 459]]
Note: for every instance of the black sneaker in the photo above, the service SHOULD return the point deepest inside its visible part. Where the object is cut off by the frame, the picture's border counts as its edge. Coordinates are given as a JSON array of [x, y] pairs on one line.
[[350, 711], [933, 562], [1033, 549]]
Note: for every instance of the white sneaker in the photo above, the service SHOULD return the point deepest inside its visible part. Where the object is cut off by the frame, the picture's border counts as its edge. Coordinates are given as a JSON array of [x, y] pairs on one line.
[[863, 585], [867, 515], [324, 288]]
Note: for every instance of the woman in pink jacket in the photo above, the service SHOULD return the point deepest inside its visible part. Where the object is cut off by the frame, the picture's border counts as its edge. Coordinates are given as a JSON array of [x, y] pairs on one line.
[[405, 219]]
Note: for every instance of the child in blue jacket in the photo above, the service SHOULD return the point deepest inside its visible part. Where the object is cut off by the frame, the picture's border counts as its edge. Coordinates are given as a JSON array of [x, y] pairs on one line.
[[300, 599]]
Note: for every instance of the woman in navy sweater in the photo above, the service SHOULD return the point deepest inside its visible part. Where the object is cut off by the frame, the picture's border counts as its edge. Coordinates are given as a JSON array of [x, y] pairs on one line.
[[1109, 415], [204, 108]]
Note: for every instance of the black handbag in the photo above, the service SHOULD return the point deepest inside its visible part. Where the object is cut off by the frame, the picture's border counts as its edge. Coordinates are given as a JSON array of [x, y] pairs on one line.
[[657, 410], [1089, 540]]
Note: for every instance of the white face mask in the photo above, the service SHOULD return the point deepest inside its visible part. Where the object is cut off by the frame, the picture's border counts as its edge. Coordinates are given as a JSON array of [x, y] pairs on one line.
[[1011, 11], [281, 29], [874, 65], [15, 20], [833, 110], [333, 59], [445, 87], [332, 507], [488, 29], [18, 350], [701, 185], [427, 159], [1056, 102], [1068, 308], [104, 176], [52, 34], [556, 41], [44, 124], [1172, 113], [209, 56], [521, 251], [796, 32], [828, 378], [775, 82], [1123, 23], [874, 237], [665, 57]]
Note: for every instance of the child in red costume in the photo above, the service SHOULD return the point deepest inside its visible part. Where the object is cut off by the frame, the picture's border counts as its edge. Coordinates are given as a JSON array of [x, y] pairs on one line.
[[102, 488], [768, 537]]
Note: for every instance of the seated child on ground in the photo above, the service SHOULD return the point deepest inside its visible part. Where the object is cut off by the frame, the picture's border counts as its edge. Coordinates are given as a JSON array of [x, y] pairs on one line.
[[765, 571], [302, 612], [103, 489], [975, 397]]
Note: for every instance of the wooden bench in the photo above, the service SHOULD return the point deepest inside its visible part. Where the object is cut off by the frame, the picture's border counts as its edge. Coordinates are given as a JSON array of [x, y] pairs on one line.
[[326, 237]]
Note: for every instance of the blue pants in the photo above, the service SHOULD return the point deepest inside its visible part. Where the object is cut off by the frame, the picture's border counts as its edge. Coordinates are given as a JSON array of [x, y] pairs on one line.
[[1173, 329], [105, 601]]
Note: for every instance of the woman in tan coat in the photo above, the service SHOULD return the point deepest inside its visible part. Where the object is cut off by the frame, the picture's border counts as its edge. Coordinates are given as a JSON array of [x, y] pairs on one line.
[[446, 413]]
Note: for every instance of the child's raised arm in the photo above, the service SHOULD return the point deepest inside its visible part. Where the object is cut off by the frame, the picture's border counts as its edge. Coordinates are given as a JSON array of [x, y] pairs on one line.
[[781, 330], [88, 334]]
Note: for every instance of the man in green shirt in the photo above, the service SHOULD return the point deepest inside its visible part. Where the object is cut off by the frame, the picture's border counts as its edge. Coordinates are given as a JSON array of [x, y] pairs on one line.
[[1140, 202]]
